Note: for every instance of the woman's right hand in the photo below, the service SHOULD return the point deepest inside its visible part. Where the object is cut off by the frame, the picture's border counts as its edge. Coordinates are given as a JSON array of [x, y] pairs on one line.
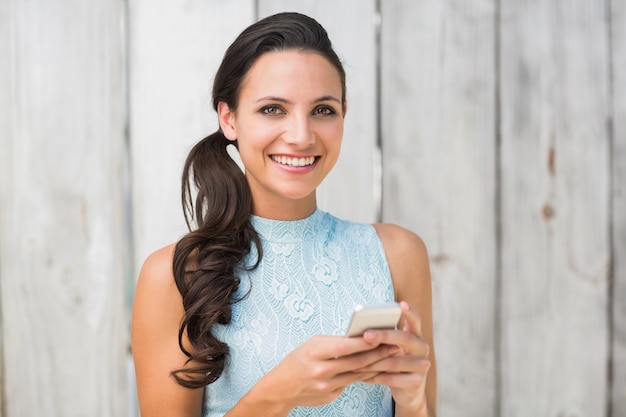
[[316, 372]]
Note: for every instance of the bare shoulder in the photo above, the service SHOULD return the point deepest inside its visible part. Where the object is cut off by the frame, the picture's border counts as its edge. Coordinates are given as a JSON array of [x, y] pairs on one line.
[[156, 272], [156, 318], [157, 299], [399, 241], [407, 257]]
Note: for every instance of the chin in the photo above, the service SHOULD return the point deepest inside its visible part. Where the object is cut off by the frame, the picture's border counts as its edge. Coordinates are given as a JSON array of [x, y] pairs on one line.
[[296, 194]]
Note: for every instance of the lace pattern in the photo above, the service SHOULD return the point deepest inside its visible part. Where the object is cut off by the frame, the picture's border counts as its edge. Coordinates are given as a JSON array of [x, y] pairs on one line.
[[312, 274]]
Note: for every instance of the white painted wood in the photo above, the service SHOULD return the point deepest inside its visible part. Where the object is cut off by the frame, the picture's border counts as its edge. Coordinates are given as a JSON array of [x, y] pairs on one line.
[[618, 25], [175, 49], [63, 250], [555, 203], [438, 108], [350, 190], [61, 208], [5, 85]]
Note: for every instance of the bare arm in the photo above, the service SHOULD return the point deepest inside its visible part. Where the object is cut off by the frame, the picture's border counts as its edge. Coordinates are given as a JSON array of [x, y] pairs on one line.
[[414, 382], [157, 313]]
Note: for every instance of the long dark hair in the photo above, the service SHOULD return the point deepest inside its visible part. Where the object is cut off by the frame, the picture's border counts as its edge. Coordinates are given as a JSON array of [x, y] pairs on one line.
[[206, 258]]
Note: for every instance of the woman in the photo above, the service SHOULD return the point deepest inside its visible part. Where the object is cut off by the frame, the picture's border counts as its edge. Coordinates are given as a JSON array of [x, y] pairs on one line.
[[246, 314]]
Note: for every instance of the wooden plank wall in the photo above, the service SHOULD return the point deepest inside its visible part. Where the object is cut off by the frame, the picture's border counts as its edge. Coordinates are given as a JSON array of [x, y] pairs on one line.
[[555, 194], [502, 133], [62, 240], [617, 12], [438, 115]]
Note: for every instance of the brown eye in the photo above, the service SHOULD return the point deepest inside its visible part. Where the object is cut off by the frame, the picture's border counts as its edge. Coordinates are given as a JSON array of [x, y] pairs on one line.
[[324, 110], [272, 110]]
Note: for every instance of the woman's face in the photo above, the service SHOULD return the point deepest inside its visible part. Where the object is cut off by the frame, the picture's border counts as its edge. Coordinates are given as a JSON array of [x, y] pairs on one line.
[[289, 126]]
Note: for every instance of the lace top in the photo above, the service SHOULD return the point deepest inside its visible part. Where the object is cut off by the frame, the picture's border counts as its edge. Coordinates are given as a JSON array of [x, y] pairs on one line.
[[312, 273]]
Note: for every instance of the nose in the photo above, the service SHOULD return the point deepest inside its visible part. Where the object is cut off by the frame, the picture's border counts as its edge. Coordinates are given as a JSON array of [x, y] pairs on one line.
[[300, 132]]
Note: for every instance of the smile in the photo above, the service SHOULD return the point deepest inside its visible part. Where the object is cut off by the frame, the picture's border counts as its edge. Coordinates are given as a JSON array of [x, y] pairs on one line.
[[293, 162]]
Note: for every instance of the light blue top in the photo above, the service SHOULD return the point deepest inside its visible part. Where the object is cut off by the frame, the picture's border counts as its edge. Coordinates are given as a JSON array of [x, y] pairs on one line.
[[312, 273]]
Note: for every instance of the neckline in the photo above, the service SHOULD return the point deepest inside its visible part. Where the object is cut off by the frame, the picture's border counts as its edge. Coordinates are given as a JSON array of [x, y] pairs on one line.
[[287, 231]]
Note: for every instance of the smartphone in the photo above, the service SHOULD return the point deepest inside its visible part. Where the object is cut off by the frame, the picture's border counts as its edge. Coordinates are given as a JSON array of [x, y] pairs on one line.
[[373, 316]]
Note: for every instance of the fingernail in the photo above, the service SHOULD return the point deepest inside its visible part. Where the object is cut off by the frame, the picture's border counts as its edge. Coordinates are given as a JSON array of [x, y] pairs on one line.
[[392, 350], [370, 335]]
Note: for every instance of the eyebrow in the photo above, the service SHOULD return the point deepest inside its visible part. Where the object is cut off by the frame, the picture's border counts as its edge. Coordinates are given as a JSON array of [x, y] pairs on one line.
[[284, 100]]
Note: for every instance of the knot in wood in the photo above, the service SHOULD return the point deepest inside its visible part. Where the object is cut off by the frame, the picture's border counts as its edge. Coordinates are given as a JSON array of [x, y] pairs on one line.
[[547, 212]]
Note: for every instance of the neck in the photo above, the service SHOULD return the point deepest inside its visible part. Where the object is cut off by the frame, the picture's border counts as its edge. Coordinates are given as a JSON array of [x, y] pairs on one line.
[[285, 209]]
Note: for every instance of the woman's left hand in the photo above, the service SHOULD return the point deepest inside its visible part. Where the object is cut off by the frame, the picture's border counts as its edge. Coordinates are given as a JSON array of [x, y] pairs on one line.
[[405, 373]]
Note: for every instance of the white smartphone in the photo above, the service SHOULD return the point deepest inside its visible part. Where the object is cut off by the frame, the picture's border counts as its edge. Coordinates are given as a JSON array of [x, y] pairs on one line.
[[374, 316]]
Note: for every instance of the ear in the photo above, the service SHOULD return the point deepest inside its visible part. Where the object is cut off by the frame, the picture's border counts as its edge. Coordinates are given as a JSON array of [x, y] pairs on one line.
[[226, 118], [345, 108]]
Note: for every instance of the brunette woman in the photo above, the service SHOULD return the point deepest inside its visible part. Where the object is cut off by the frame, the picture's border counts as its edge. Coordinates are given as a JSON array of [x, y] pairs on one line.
[[246, 314]]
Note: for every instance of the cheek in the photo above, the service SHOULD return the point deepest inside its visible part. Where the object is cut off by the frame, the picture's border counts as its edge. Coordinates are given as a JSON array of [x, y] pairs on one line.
[[258, 130], [332, 133], [254, 143], [254, 138]]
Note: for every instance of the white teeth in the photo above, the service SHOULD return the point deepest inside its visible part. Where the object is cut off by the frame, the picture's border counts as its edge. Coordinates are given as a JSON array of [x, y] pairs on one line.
[[294, 162]]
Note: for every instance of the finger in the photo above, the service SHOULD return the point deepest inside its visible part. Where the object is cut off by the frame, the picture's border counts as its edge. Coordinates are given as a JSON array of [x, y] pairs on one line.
[[408, 381], [407, 389], [331, 347], [412, 320], [409, 343], [327, 369], [347, 378], [400, 365], [333, 374], [405, 381], [362, 360]]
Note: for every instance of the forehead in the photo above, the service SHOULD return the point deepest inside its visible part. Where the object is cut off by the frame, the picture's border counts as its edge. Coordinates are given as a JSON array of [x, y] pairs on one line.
[[291, 73]]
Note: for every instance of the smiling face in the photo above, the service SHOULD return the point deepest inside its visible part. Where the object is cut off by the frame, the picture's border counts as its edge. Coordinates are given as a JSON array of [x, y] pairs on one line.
[[288, 125]]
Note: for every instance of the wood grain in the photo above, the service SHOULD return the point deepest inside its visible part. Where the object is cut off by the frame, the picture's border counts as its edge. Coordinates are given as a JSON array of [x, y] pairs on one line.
[[62, 209], [555, 207], [439, 142], [618, 37], [503, 132]]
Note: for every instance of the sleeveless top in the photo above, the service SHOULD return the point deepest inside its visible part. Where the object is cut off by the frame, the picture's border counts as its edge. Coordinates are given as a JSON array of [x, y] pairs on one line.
[[312, 273]]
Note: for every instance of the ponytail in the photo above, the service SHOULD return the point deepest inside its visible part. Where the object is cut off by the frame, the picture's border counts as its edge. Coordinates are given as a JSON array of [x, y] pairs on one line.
[[205, 258]]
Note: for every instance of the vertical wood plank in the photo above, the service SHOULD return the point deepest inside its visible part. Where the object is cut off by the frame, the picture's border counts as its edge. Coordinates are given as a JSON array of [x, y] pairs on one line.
[[438, 112], [351, 190], [61, 208], [5, 85], [555, 203], [2, 383], [618, 25], [175, 50]]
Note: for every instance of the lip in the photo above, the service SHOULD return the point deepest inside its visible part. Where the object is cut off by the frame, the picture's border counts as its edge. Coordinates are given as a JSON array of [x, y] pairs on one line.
[[295, 169]]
